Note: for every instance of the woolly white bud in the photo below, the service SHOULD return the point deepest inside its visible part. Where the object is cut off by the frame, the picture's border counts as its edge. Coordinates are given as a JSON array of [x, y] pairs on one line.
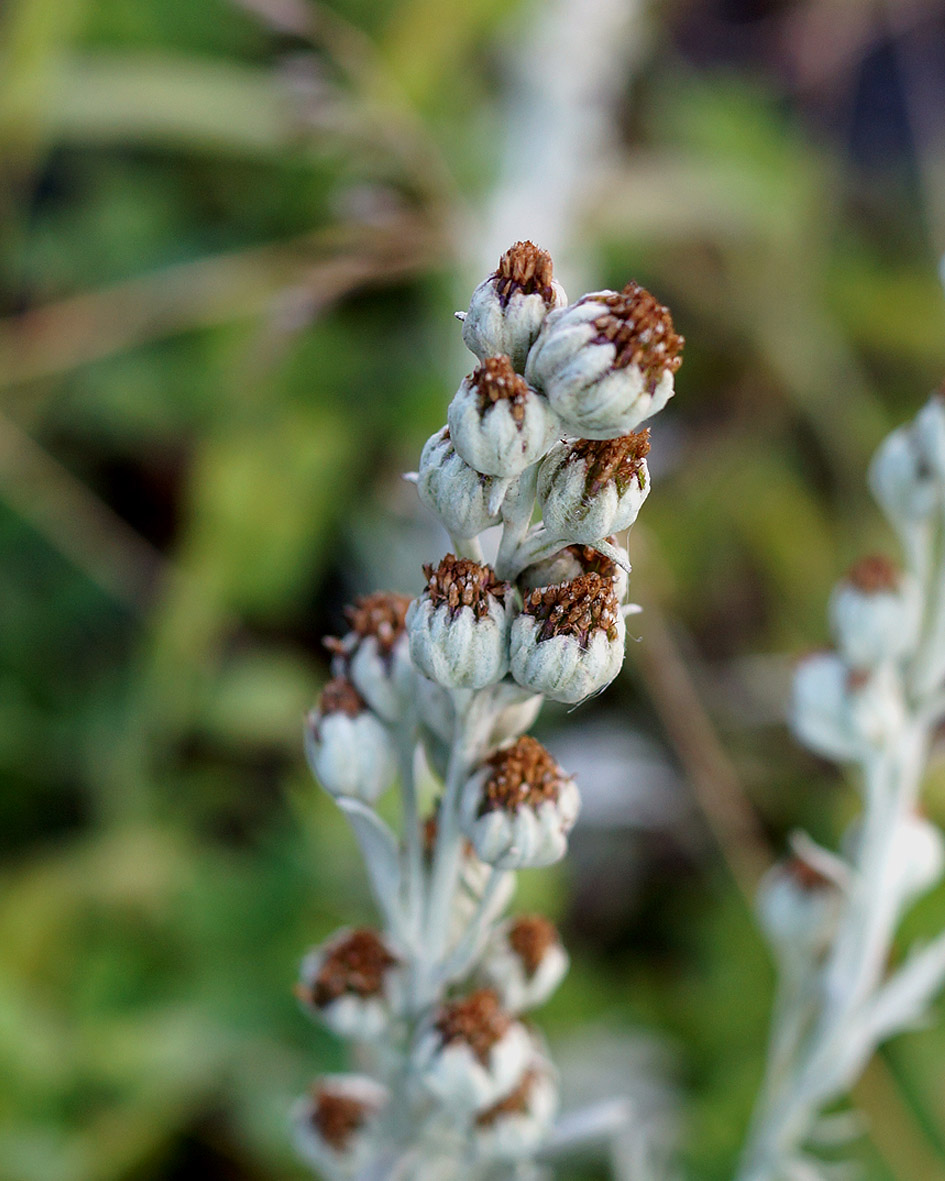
[[607, 362], [498, 423], [918, 856], [516, 1126], [901, 479], [524, 962], [349, 751], [799, 907], [874, 614], [573, 561], [353, 984], [844, 714], [589, 489], [472, 1053], [375, 654], [459, 626], [518, 808], [568, 641], [335, 1126], [507, 309], [465, 500]]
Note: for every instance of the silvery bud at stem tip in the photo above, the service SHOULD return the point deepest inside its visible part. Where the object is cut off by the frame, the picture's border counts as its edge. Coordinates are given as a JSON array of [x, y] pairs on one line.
[[842, 713], [508, 308], [459, 626], [515, 1126], [568, 640], [874, 613], [472, 1053], [519, 806], [573, 561], [589, 489], [352, 983], [607, 362], [498, 423], [524, 962], [349, 750], [799, 907], [374, 654], [334, 1124], [465, 500]]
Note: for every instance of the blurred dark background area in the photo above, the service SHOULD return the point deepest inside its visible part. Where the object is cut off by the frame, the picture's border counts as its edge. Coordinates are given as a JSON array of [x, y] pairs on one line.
[[231, 239]]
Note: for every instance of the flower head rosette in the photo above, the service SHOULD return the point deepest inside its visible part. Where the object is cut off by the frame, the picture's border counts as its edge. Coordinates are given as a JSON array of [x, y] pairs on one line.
[[374, 654], [352, 983], [573, 561], [466, 501], [472, 1053], [508, 308], [459, 626], [518, 808], [515, 1126], [607, 362], [524, 962], [568, 640], [334, 1125], [349, 750], [874, 614], [591, 488], [497, 422]]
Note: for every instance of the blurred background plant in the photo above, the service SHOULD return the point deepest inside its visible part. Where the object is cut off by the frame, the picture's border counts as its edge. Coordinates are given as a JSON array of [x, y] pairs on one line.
[[228, 230]]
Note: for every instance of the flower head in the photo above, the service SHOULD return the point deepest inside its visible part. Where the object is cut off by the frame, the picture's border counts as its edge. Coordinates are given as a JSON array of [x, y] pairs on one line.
[[459, 626], [591, 488], [349, 750], [568, 640], [573, 561], [374, 654], [607, 362], [465, 500], [507, 309], [524, 962], [351, 983], [874, 613], [519, 807], [334, 1125], [515, 1126]]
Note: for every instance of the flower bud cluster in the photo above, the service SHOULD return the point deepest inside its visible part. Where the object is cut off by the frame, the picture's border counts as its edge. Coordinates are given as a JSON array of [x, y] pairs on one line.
[[442, 687]]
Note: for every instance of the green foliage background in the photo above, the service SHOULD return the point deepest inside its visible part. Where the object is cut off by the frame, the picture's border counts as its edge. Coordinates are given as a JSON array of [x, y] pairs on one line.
[[229, 253]]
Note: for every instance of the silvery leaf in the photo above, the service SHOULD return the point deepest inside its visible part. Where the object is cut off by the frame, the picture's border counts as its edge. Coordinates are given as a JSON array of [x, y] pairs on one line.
[[381, 857]]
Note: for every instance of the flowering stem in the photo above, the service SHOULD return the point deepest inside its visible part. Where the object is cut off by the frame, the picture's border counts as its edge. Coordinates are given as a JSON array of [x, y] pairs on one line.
[[465, 951]]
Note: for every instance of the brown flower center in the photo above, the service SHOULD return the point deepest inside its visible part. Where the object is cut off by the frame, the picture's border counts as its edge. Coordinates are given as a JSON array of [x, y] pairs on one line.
[[578, 608], [620, 460], [478, 1020], [591, 560], [355, 965], [527, 269], [496, 381], [459, 582], [521, 774], [340, 697], [337, 1118], [514, 1103], [873, 575], [641, 331], [530, 937]]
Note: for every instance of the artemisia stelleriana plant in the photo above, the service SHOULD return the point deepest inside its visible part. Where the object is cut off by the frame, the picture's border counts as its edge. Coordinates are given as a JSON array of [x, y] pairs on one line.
[[432, 696]]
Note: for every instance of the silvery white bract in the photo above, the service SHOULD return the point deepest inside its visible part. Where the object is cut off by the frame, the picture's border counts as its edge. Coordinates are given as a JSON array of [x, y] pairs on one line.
[[508, 308], [573, 364], [798, 909], [457, 649], [334, 1127], [572, 513], [901, 479], [507, 434], [350, 756], [466, 501], [464, 1080], [521, 985], [518, 1124], [561, 667], [362, 1016], [523, 836], [385, 681], [841, 714], [874, 619]]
